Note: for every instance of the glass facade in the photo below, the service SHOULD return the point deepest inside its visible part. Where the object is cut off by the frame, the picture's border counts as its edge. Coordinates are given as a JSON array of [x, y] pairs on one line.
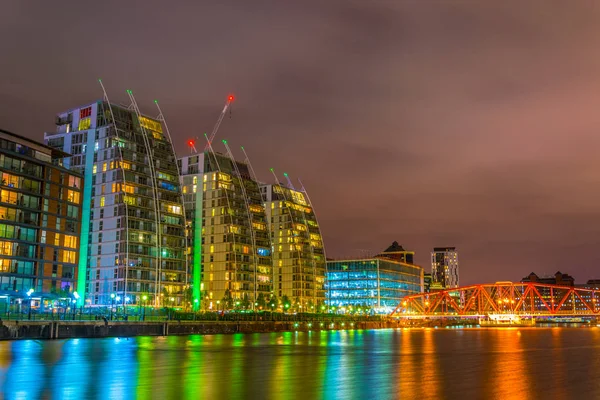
[[134, 229], [40, 219], [298, 252], [375, 282], [231, 248]]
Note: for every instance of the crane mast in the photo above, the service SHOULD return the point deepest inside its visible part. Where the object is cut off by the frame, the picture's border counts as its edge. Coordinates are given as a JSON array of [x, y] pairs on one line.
[[218, 124]]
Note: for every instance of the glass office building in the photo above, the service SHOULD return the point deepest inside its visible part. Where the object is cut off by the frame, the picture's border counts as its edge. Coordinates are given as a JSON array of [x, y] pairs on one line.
[[377, 282]]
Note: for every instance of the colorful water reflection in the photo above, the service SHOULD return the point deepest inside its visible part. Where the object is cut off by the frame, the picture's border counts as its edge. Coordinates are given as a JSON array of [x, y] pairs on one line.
[[404, 363]]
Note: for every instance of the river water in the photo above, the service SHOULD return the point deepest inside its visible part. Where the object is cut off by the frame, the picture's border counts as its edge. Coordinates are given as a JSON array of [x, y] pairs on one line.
[[501, 363]]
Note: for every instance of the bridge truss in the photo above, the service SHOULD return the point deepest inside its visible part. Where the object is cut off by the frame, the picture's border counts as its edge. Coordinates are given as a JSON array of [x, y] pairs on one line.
[[522, 299]]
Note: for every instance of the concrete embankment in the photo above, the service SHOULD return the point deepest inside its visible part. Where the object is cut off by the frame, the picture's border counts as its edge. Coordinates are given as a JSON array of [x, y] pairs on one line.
[[12, 330]]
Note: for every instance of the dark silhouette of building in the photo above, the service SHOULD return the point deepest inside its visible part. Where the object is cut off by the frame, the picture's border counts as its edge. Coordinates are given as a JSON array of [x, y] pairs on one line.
[[396, 252], [558, 279]]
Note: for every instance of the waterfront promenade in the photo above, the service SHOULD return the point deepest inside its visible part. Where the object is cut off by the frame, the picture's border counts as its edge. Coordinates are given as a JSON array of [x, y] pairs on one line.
[[168, 323], [60, 329]]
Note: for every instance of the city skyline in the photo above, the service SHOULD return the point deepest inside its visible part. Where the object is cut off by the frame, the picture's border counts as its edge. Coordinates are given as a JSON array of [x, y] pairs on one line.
[[484, 161]]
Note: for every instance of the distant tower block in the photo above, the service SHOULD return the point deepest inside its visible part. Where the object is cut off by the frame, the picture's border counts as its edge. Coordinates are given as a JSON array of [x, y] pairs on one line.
[[444, 268]]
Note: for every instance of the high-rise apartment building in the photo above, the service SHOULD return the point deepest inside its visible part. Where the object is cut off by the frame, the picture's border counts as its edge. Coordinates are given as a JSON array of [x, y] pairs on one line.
[[40, 220], [444, 268], [298, 254], [231, 246], [133, 234]]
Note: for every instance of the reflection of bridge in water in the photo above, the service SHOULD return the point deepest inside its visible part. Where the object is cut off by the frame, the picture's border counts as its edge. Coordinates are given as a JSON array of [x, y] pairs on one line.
[[502, 301]]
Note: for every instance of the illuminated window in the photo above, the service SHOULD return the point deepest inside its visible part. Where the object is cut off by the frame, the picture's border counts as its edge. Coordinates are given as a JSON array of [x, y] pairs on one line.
[[102, 201], [245, 250], [70, 241], [57, 239], [152, 125], [174, 209], [69, 256], [102, 189], [73, 196], [104, 167], [185, 189], [6, 248], [6, 196], [112, 164], [75, 181], [85, 124], [94, 169], [10, 180], [212, 249]]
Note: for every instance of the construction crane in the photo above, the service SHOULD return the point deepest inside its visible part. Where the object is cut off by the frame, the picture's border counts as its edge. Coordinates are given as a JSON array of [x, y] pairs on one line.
[[192, 142], [230, 99]]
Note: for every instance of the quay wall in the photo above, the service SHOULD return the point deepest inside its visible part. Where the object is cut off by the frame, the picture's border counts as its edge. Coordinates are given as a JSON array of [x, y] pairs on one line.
[[13, 330]]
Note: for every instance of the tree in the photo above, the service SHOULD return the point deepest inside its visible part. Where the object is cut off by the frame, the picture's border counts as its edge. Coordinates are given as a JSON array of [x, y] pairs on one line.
[[188, 295], [310, 306], [273, 302], [245, 302], [227, 300], [260, 300], [205, 300]]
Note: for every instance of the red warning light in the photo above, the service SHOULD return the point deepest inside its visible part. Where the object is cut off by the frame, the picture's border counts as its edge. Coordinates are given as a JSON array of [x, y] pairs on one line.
[[230, 98], [191, 143]]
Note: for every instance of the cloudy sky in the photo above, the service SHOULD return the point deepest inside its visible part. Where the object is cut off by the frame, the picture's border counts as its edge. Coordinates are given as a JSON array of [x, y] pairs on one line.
[[467, 123]]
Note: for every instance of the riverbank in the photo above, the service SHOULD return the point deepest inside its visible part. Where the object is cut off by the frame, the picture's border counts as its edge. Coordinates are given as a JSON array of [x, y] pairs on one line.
[[13, 330], [49, 330]]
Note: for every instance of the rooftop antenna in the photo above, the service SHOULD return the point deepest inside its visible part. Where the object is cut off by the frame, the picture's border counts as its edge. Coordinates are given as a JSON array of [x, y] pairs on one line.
[[289, 181]]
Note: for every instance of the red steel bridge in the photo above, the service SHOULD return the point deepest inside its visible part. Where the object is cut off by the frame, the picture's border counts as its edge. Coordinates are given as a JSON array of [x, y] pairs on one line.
[[501, 301]]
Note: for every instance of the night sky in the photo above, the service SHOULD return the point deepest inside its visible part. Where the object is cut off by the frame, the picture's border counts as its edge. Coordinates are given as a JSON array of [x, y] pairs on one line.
[[468, 124]]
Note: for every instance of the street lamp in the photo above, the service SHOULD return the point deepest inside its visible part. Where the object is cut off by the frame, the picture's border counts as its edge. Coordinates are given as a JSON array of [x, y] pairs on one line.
[[118, 300], [144, 298], [127, 299], [112, 304], [29, 293], [73, 306]]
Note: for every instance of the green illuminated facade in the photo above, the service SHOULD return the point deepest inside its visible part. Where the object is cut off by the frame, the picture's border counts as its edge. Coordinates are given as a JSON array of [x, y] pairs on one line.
[[230, 253]]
